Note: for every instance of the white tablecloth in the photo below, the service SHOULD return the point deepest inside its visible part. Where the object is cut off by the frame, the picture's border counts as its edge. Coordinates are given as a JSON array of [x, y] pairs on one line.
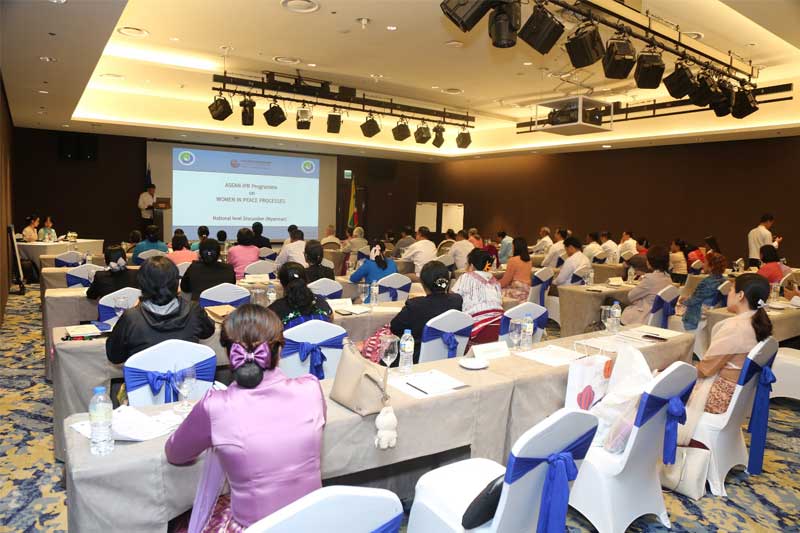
[[579, 307], [33, 250], [49, 260], [602, 272], [785, 323]]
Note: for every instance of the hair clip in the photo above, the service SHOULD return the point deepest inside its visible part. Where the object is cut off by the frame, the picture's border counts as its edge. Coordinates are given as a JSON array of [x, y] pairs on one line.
[[761, 304]]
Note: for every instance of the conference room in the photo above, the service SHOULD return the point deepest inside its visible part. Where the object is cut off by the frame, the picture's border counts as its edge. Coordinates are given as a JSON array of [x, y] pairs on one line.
[[383, 266]]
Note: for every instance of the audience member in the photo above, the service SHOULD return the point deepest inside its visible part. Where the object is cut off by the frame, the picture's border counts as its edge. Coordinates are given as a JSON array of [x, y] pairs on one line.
[[644, 294], [374, 268], [695, 253], [712, 246], [222, 238], [516, 281], [627, 244], [289, 230], [544, 243], [761, 236], [771, 266], [707, 291], [202, 234], [116, 277], [134, 238], [592, 246], [475, 238], [298, 303], [243, 253], [677, 261], [330, 236], [610, 247], [357, 242], [208, 272], [29, 233], [47, 233], [460, 249], [313, 255], [295, 251], [181, 252], [259, 240], [505, 247], [150, 242], [640, 266], [406, 240], [481, 296], [449, 237], [642, 245], [556, 250], [576, 262], [421, 251]]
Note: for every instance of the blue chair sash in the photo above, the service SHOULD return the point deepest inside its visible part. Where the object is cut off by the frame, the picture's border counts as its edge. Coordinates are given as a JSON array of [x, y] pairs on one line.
[[208, 302], [296, 321], [102, 326], [393, 291], [540, 322], [650, 405], [105, 312], [695, 271], [71, 264], [561, 470], [392, 526], [545, 286], [668, 307], [73, 281], [759, 416], [136, 378], [361, 256], [559, 261], [271, 256], [449, 339], [577, 280], [598, 261], [334, 294], [313, 351]]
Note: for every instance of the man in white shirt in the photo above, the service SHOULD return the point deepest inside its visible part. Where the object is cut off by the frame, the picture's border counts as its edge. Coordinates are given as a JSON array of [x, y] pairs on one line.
[[555, 251], [505, 247], [461, 249], [576, 260], [146, 201], [295, 251], [289, 230], [422, 251], [758, 237], [406, 239], [330, 236], [609, 247], [544, 243], [627, 244], [592, 247]]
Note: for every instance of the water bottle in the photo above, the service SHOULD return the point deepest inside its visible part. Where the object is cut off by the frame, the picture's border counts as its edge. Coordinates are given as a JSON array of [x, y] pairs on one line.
[[527, 331], [373, 293], [100, 410], [272, 294], [631, 274], [590, 277], [616, 314], [406, 352], [88, 258]]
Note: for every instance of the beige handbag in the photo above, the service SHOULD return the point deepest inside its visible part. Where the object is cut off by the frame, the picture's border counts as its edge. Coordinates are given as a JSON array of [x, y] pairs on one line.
[[360, 384], [688, 475]]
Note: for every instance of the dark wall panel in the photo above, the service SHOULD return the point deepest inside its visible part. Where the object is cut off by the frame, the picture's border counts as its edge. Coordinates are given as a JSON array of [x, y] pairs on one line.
[[5, 197]]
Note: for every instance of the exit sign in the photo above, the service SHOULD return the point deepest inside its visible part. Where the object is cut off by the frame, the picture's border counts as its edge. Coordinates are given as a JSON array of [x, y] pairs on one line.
[[348, 174]]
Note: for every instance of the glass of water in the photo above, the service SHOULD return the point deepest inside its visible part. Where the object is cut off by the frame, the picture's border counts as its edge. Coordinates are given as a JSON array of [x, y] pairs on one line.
[[775, 292], [515, 332], [363, 290], [185, 378], [120, 304], [605, 315], [258, 295], [389, 349]]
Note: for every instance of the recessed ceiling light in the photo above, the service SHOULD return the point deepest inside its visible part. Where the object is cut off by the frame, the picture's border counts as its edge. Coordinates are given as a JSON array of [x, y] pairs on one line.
[[285, 60], [752, 44], [181, 135], [606, 146], [696, 35], [174, 39], [40, 112], [130, 31], [226, 49], [311, 64], [58, 1], [111, 75], [454, 44], [42, 91], [300, 6], [65, 125], [452, 90], [391, 28], [434, 86], [376, 76], [47, 59], [527, 63]]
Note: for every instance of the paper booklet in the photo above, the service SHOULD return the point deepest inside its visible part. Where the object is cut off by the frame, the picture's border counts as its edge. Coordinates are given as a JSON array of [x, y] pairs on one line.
[[551, 355], [130, 424], [85, 330], [425, 384], [219, 312]]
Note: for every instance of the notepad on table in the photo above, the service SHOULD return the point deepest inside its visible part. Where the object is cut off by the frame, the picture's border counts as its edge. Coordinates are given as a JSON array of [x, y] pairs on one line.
[[130, 424], [425, 384], [551, 355], [84, 330]]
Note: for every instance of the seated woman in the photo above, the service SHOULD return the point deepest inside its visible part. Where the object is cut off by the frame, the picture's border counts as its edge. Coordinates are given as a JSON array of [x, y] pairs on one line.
[[516, 281], [116, 277], [29, 233], [314, 255], [243, 253], [47, 233], [677, 261], [731, 342], [208, 271], [181, 252], [416, 312], [481, 295], [706, 292], [771, 266], [134, 238], [202, 234], [642, 245], [644, 294], [298, 304], [150, 242], [160, 315], [376, 267], [262, 478]]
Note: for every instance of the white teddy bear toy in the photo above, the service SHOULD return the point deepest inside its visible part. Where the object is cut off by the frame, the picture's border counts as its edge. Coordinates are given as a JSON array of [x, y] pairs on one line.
[[386, 423]]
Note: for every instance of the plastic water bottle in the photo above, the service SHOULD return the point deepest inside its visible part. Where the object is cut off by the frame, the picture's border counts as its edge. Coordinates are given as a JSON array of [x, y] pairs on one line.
[[590, 277], [272, 294], [88, 258], [373, 293], [631, 274], [616, 314], [406, 352], [100, 410], [527, 331]]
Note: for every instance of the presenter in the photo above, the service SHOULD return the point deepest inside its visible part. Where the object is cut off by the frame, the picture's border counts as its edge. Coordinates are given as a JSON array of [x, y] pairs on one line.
[[146, 201]]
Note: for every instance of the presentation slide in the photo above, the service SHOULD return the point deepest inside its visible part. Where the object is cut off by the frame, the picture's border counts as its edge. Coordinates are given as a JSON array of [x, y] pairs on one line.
[[231, 190]]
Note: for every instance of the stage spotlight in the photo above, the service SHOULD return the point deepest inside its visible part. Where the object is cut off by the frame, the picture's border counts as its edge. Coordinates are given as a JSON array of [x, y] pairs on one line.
[[585, 46], [274, 115], [504, 24], [248, 111], [304, 118], [422, 134], [681, 81], [705, 90], [438, 136], [334, 122], [463, 139], [542, 30], [465, 13], [370, 127], [744, 103], [620, 57], [722, 103], [220, 108], [401, 132], [649, 69]]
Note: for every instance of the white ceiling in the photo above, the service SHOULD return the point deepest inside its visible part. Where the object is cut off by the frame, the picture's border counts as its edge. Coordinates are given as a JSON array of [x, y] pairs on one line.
[[166, 84]]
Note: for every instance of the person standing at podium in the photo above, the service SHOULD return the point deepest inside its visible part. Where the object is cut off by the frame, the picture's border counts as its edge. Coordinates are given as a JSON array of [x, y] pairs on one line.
[[146, 201]]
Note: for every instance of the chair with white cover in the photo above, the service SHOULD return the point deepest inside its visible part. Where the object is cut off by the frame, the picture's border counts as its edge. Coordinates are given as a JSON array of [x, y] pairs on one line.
[[332, 245], [445, 336], [580, 275], [149, 254], [444, 247], [327, 288], [313, 347], [613, 490], [561, 258], [537, 312], [183, 267], [696, 267], [327, 263], [337, 509], [627, 254], [541, 464], [394, 288], [111, 306], [447, 260], [787, 372], [600, 258], [261, 267], [267, 253], [150, 374], [540, 284], [791, 276], [224, 293], [663, 307], [722, 433], [69, 259], [82, 276]]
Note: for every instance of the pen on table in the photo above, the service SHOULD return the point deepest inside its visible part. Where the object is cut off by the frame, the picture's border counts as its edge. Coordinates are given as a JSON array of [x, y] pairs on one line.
[[413, 387]]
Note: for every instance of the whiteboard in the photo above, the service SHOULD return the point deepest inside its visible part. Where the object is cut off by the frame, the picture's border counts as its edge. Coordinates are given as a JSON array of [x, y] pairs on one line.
[[426, 215], [452, 217]]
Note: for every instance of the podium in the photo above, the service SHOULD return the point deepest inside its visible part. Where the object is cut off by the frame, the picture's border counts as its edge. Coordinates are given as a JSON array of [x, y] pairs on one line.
[[159, 207]]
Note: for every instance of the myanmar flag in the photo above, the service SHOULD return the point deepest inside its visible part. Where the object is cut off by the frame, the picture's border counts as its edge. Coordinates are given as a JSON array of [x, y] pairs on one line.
[[352, 218]]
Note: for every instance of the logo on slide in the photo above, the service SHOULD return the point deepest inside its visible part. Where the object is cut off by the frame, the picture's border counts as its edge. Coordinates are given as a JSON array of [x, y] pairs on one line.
[[235, 163], [186, 158], [308, 166]]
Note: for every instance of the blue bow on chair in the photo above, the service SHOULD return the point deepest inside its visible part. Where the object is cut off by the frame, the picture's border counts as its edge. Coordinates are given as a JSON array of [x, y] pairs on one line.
[[650, 405], [313, 351], [759, 416], [393, 291], [544, 287], [136, 378], [577, 280], [61, 263], [540, 322], [561, 470], [669, 309], [73, 281], [208, 302], [448, 338]]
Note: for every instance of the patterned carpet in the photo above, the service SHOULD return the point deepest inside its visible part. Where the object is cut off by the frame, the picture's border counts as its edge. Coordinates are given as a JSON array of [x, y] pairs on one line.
[[32, 492]]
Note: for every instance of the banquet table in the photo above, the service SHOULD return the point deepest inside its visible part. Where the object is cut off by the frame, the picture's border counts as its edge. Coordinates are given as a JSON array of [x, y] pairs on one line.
[[34, 250], [785, 322], [56, 278], [63, 307], [580, 305], [602, 272], [49, 260]]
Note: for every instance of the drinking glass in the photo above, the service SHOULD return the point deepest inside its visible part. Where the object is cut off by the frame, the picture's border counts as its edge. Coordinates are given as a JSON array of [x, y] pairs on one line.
[[185, 378], [120, 304], [258, 296], [515, 332], [605, 314], [775, 292], [389, 349], [363, 289]]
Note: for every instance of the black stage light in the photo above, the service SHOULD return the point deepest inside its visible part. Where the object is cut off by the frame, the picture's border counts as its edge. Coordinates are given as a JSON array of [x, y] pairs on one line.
[[722, 103], [438, 136], [744, 103], [370, 127], [585, 46], [620, 57], [401, 132], [542, 30], [681, 81], [649, 69], [274, 115], [422, 134], [704, 91], [504, 24], [334, 122], [465, 13], [248, 111], [220, 108], [463, 139], [304, 118]]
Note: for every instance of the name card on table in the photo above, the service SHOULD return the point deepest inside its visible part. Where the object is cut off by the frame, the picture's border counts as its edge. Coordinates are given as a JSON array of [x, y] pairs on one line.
[[491, 350]]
